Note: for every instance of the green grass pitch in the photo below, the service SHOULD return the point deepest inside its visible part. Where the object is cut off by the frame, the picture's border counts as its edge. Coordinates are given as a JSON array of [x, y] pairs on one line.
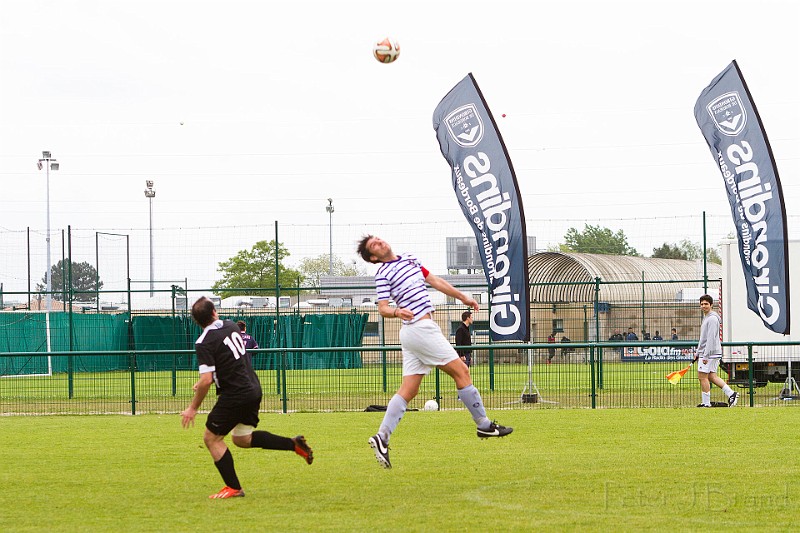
[[588, 470]]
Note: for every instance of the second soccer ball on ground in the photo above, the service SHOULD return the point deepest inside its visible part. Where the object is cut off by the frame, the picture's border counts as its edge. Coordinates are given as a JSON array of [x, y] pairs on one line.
[[431, 405]]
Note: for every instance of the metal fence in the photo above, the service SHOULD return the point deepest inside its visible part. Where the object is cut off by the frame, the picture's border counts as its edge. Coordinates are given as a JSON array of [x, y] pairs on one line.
[[81, 359], [518, 376]]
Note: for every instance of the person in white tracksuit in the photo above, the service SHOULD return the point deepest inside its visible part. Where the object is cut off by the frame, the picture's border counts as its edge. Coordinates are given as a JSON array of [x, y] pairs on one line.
[[709, 354]]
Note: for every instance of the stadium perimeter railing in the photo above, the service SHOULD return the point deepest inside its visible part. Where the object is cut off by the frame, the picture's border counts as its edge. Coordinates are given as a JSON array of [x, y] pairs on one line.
[[583, 375], [347, 358]]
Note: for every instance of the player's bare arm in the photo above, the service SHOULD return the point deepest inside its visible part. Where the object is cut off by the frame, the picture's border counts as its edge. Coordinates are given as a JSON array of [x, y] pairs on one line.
[[200, 390], [388, 311], [444, 287]]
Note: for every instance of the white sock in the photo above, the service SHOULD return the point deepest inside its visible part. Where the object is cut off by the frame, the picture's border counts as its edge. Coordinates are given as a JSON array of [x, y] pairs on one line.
[[727, 390], [706, 398], [470, 397], [394, 413]]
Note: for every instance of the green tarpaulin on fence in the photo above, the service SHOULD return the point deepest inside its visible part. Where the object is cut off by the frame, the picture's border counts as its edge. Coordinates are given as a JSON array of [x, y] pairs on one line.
[[336, 331], [27, 332], [153, 333], [23, 332]]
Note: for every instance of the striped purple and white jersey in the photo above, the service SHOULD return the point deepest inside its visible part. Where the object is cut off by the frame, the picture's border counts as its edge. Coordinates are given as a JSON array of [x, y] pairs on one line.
[[403, 280]]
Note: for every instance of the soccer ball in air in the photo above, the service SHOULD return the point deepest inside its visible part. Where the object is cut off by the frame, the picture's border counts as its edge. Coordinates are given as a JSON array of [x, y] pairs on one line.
[[431, 405], [386, 50]]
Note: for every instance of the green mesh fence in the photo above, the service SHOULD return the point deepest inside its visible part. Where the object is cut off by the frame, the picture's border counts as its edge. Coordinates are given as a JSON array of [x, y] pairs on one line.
[[27, 332], [322, 331], [342, 360], [23, 332], [516, 377], [167, 333]]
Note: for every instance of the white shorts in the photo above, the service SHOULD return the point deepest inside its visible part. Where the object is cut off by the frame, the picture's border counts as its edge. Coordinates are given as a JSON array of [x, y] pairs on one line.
[[424, 347], [704, 364]]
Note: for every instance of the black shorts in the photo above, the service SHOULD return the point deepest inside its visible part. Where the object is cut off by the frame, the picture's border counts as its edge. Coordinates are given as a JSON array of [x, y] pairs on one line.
[[226, 415]]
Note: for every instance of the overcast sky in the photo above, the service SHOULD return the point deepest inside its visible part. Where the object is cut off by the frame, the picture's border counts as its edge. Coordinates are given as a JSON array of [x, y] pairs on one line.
[[244, 113]]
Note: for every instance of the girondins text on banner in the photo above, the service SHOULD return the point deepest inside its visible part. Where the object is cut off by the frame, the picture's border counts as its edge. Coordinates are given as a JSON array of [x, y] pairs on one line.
[[486, 188], [730, 123]]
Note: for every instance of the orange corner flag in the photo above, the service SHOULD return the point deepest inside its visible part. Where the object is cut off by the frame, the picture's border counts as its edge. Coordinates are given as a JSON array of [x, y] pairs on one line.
[[675, 377]]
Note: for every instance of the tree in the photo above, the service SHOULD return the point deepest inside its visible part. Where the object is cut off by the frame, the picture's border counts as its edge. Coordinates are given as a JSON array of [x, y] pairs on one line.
[[597, 240], [695, 251], [84, 280], [313, 268], [669, 251], [712, 256], [255, 269], [686, 250]]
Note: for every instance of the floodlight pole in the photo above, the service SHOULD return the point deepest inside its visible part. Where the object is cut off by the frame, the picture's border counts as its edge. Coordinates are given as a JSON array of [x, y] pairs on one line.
[[329, 209], [48, 162], [150, 193]]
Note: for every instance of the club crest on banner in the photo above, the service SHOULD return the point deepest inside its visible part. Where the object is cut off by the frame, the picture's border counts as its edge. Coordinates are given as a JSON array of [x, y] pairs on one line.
[[465, 125], [728, 114]]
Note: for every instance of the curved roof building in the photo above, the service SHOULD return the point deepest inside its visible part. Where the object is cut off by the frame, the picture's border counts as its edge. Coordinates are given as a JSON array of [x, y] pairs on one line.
[[570, 277]]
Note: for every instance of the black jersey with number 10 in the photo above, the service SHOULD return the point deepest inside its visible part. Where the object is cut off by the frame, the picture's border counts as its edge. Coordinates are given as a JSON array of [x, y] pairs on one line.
[[221, 350]]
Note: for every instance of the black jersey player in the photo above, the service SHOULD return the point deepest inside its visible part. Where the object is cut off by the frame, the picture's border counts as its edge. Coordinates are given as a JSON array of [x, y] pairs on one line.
[[224, 361]]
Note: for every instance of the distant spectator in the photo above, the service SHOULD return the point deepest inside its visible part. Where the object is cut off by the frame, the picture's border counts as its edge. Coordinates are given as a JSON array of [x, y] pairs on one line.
[[566, 350], [464, 338], [631, 336], [617, 337], [551, 352], [657, 336], [646, 335], [674, 334], [249, 342]]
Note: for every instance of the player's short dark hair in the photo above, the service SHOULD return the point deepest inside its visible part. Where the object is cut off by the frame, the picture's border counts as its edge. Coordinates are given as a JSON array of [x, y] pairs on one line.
[[707, 298], [241, 324], [362, 249], [203, 311], [465, 315]]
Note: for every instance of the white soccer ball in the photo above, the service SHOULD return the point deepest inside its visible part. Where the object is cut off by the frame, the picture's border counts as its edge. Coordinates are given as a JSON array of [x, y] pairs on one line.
[[386, 50], [431, 405]]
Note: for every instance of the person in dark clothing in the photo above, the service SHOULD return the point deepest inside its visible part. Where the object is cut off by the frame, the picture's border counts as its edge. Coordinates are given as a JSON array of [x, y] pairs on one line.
[[566, 350], [551, 351], [224, 361], [249, 342], [463, 338], [616, 336]]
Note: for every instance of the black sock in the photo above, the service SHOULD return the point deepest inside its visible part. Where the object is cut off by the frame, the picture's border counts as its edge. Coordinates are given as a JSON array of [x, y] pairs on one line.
[[227, 471], [268, 441]]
